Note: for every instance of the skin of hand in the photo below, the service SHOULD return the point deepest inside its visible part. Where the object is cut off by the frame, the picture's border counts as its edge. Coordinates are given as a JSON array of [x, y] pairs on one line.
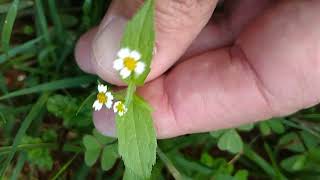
[[257, 60]]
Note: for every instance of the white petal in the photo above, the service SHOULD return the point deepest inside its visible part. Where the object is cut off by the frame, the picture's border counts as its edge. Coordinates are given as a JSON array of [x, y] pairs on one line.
[[97, 105], [118, 64], [109, 95], [109, 104], [139, 68], [135, 55], [123, 53], [102, 88], [125, 72], [121, 113]]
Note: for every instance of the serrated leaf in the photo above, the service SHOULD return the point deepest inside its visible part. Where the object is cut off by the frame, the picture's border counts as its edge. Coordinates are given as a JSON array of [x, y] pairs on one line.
[[93, 149], [139, 35], [230, 141], [108, 157], [137, 138]]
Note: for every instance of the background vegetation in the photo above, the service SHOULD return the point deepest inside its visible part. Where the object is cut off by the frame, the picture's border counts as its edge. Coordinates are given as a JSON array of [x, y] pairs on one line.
[[46, 129]]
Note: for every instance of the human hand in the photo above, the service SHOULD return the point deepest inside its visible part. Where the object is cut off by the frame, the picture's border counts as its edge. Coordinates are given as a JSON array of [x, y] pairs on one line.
[[258, 60]]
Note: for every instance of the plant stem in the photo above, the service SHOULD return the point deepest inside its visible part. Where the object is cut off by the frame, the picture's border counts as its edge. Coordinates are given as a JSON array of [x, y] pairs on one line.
[[130, 92], [173, 170]]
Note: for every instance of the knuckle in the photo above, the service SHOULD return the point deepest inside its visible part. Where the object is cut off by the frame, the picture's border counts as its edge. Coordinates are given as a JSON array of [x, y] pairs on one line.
[[177, 14]]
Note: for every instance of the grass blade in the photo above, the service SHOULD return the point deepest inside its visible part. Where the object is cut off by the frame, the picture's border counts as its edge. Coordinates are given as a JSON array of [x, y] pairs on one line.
[[263, 164], [87, 100], [39, 105], [20, 163], [6, 150], [8, 25], [4, 8], [20, 49], [64, 167], [51, 86], [43, 27], [172, 169], [56, 19]]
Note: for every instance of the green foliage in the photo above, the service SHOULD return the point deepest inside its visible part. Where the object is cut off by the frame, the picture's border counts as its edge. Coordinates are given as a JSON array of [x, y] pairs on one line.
[[135, 131], [97, 145], [273, 125], [137, 139], [39, 157], [229, 139], [140, 35], [66, 107]]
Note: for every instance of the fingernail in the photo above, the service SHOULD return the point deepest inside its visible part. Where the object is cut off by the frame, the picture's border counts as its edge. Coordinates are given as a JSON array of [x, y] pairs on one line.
[[104, 122], [105, 47]]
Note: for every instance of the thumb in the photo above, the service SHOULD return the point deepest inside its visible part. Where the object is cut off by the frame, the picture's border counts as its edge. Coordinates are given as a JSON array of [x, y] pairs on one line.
[[177, 24]]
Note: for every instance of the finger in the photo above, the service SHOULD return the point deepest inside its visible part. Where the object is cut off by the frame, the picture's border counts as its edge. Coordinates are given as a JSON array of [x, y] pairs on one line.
[[177, 25], [221, 32], [273, 70], [225, 27], [83, 51]]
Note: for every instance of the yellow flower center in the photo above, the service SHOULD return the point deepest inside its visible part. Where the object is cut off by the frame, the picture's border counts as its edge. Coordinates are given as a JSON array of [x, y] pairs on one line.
[[102, 98], [120, 107], [130, 63]]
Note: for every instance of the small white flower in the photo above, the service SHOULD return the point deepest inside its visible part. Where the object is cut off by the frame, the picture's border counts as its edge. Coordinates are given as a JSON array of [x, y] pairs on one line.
[[103, 98], [128, 61], [119, 108]]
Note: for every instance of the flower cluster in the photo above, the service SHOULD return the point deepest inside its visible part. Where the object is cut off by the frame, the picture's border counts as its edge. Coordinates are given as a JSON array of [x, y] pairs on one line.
[[105, 98], [127, 63]]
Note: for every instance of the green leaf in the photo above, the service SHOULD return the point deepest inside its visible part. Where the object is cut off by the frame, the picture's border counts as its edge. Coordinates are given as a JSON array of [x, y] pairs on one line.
[[109, 157], [102, 138], [231, 141], [276, 125], [241, 175], [264, 128], [140, 35], [246, 127], [218, 133], [291, 141], [309, 140], [93, 149], [207, 159], [294, 163], [137, 138]]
